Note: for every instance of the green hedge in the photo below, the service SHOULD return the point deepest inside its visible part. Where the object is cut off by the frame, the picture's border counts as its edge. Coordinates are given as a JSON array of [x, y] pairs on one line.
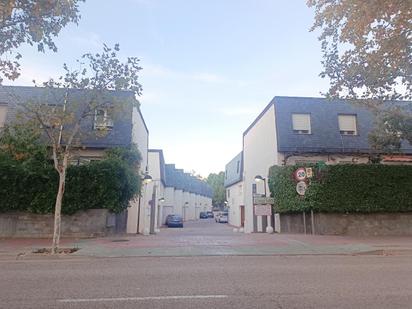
[[32, 186], [347, 188]]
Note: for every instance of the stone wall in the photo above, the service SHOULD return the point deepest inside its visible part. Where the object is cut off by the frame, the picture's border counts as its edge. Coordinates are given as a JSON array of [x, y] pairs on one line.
[[379, 224], [90, 223]]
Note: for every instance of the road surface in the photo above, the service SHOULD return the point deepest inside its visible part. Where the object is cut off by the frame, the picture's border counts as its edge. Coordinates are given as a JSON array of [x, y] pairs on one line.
[[209, 282], [206, 265]]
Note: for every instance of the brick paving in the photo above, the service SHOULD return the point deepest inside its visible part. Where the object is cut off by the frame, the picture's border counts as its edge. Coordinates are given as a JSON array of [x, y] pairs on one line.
[[208, 238]]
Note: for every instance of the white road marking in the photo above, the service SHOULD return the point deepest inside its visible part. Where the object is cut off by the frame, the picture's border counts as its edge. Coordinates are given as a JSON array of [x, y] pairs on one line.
[[176, 297]]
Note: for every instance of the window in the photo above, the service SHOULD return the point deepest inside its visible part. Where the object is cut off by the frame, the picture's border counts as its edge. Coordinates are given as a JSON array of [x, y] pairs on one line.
[[347, 124], [102, 120], [3, 114], [301, 123], [254, 188]]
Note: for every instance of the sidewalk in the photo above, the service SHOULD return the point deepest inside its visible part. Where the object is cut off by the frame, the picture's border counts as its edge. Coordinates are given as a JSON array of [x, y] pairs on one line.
[[211, 239]]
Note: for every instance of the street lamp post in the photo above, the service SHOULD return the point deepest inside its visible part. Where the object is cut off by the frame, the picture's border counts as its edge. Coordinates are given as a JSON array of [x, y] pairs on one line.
[[145, 180], [269, 228]]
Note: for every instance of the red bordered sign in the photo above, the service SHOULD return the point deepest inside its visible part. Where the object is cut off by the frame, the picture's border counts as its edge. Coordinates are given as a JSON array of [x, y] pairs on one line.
[[300, 174]]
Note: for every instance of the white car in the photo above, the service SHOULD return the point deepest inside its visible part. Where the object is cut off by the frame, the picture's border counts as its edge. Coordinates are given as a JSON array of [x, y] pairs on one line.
[[222, 218]]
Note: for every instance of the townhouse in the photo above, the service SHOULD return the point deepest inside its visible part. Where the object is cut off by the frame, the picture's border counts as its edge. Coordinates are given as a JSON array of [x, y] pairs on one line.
[[122, 130], [293, 130], [185, 195], [234, 191]]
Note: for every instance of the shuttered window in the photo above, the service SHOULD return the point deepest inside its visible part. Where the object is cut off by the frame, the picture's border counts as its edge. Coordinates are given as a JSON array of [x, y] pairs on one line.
[[301, 123], [3, 114], [347, 124]]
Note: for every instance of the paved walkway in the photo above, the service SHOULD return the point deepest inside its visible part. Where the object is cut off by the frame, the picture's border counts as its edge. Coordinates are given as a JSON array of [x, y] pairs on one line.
[[207, 238]]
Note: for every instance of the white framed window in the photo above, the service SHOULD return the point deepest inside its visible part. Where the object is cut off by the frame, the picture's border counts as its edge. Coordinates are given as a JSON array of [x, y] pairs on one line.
[[3, 114], [347, 124], [301, 123], [102, 119]]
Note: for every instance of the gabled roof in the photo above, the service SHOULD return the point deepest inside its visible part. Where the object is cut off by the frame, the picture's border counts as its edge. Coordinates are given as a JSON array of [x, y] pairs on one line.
[[325, 136], [234, 171]]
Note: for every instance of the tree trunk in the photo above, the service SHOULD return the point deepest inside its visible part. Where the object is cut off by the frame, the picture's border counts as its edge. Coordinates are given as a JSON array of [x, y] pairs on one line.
[[58, 210]]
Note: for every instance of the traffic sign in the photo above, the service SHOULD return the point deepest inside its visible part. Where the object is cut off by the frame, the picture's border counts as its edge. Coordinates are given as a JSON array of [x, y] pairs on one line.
[[263, 210], [261, 200], [300, 174], [309, 172], [301, 188]]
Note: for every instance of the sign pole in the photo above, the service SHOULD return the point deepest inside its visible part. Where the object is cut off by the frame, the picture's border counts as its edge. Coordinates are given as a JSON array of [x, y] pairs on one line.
[[312, 222], [304, 222]]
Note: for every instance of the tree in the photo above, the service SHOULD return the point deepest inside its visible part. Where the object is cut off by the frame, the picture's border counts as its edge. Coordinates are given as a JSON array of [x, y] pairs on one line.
[[216, 181], [70, 101], [35, 22], [367, 56]]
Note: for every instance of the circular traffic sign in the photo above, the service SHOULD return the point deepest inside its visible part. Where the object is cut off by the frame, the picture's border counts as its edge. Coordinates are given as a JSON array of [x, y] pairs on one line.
[[301, 187], [300, 174]]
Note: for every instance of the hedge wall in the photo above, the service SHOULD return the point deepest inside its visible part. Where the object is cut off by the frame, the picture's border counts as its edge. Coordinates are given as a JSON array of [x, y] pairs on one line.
[[347, 188], [32, 186]]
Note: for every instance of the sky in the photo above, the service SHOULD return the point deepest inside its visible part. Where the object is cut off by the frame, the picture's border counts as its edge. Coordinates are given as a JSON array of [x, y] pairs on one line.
[[209, 67]]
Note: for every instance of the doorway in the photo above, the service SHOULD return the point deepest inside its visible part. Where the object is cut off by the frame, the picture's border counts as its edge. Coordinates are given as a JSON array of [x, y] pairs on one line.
[[242, 216]]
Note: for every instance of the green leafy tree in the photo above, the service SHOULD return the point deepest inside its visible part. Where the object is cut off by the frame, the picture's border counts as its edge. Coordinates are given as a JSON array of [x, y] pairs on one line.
[[72, 100], [216, 182], [367, 56], [35, 22]]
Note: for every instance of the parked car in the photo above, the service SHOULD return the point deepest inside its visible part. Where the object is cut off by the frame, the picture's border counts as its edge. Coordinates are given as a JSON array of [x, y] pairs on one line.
[[174, 221], [210, 214], [223, 217], [203, 215]]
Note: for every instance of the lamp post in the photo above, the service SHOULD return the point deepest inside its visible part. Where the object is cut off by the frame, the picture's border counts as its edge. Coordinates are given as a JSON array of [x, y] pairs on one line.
[[145, 180], [184, 210], [258, 179], [269, 228]]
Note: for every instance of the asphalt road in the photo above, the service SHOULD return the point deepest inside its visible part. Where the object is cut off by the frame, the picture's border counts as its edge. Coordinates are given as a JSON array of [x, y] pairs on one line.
[[209, 282]]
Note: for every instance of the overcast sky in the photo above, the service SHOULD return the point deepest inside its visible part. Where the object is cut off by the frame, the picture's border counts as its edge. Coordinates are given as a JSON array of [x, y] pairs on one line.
[[209, 67]]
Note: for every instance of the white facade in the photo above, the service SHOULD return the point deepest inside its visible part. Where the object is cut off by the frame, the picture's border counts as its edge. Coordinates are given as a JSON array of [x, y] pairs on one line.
[[235, 203], [140, 137], [291, 131], [259, 153]]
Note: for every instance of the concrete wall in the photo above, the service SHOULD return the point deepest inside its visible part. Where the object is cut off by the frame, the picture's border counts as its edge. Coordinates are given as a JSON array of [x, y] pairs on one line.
[[234, 202], [178, 200], [380, 224], [259, 153], [192, 207], [329, 159], [89, 223], [140, 137], [186, 205]]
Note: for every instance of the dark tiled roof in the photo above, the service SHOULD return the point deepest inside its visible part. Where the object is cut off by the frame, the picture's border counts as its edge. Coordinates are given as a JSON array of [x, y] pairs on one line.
[[120, 135], [234, 170], [180, 180], [325, 136]]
